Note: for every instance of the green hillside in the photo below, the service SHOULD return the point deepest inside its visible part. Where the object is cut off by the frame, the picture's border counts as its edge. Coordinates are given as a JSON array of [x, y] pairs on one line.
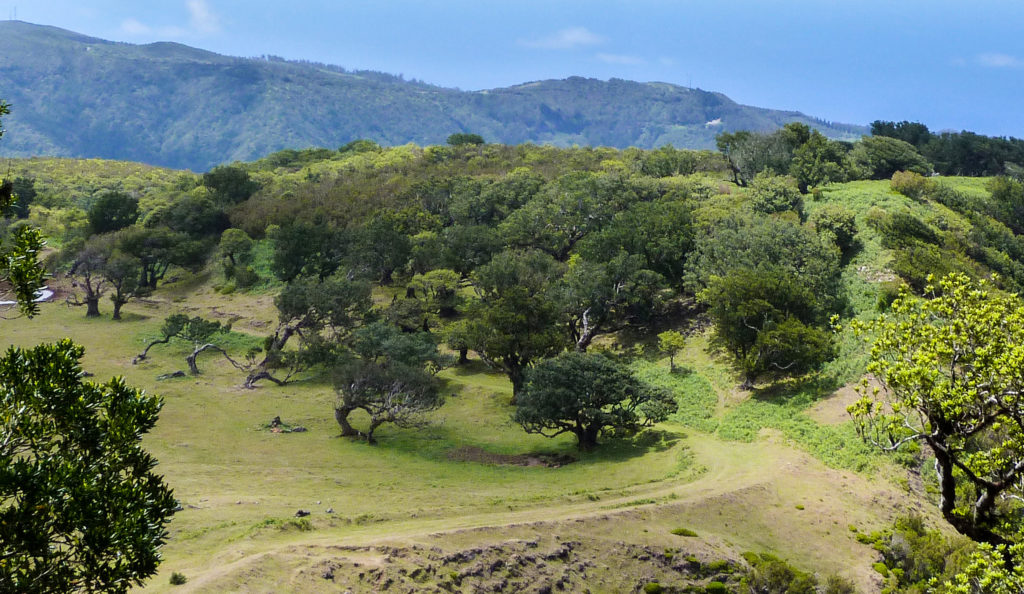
[[171, 105], [412, 249]]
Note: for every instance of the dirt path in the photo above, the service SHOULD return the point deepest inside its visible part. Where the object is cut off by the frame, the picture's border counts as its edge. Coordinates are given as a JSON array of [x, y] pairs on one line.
[[752, 496]]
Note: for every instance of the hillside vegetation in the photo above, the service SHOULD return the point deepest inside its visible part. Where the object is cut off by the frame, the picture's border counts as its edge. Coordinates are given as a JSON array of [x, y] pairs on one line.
[[401, 307], [172, 105]]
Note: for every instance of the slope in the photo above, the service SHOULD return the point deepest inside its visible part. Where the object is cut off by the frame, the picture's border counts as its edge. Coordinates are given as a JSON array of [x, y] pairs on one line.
[[172, 105]]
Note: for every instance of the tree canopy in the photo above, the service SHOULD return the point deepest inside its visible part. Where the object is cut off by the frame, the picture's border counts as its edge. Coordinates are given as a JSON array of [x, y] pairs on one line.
[[587, 395], [952, 374], [80, 506]]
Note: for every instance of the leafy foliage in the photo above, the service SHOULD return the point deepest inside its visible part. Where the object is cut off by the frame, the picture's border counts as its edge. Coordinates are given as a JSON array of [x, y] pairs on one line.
[[80, 506], [951, 368], [587, 395], [113, 211]]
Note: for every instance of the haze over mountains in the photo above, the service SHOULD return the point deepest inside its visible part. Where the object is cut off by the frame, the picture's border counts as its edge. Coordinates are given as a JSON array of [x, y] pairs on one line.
[[172, 105]]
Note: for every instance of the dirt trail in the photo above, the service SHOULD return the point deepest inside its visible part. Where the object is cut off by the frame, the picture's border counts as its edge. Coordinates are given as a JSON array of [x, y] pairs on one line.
[[746, 499]]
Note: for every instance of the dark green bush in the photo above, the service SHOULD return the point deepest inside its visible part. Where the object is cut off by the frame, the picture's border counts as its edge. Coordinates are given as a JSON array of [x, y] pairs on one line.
[[836, 584], [773, 575]]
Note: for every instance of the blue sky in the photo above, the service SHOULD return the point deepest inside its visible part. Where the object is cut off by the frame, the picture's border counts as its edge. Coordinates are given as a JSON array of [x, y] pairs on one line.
[[949, 64]]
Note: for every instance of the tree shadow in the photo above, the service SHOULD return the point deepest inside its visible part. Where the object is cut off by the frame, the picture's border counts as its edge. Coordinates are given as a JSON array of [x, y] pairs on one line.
[[620, 449], [803, 390], [856, 247], [473, 367]]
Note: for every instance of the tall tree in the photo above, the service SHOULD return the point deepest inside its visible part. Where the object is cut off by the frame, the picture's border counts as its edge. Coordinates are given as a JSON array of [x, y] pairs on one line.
[[80, 506], [515, 322]]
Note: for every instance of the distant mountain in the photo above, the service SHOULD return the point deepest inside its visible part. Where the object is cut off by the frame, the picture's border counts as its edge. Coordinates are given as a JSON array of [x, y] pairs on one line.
[[176, 106]]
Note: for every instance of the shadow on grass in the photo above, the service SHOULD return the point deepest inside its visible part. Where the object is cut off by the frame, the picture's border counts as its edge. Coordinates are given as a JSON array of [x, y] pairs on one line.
[[682, 371], [474, 367], [800, 391], [626, 448], [438, 441]]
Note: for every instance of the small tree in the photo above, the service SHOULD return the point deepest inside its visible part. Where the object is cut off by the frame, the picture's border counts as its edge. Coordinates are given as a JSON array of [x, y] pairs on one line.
[[122, 272], [841, 222], [195, 330], [766, 317], [587, 395], [671, 342], [80, 506]]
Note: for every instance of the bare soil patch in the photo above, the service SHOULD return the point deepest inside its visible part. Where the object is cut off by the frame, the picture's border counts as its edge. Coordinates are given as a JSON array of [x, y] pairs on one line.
[[481, 456]]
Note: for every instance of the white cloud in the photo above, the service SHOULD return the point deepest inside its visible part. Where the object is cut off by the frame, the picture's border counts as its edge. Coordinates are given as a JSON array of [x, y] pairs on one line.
[[202, 19], [570, 38], [621, 59], [134, 27], [997, 60]]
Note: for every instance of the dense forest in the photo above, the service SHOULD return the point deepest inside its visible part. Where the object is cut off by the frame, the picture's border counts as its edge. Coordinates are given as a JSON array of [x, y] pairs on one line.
[[564, 269]]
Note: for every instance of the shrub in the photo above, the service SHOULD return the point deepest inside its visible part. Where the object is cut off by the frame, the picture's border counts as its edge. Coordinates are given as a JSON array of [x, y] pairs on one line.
[[840, 221], [178, 579], [901, 228], [653, 588], [246, 277], [836, 584], [684, 532], [910, 184], [715, 588], [773, 193], [888, 291], [771, 574]]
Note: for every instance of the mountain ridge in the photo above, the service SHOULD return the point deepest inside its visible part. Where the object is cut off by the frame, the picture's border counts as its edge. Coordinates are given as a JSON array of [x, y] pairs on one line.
[[173, 105]]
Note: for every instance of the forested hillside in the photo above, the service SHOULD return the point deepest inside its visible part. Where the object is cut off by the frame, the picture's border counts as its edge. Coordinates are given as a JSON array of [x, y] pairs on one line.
[[638, 369], [171, 105]]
